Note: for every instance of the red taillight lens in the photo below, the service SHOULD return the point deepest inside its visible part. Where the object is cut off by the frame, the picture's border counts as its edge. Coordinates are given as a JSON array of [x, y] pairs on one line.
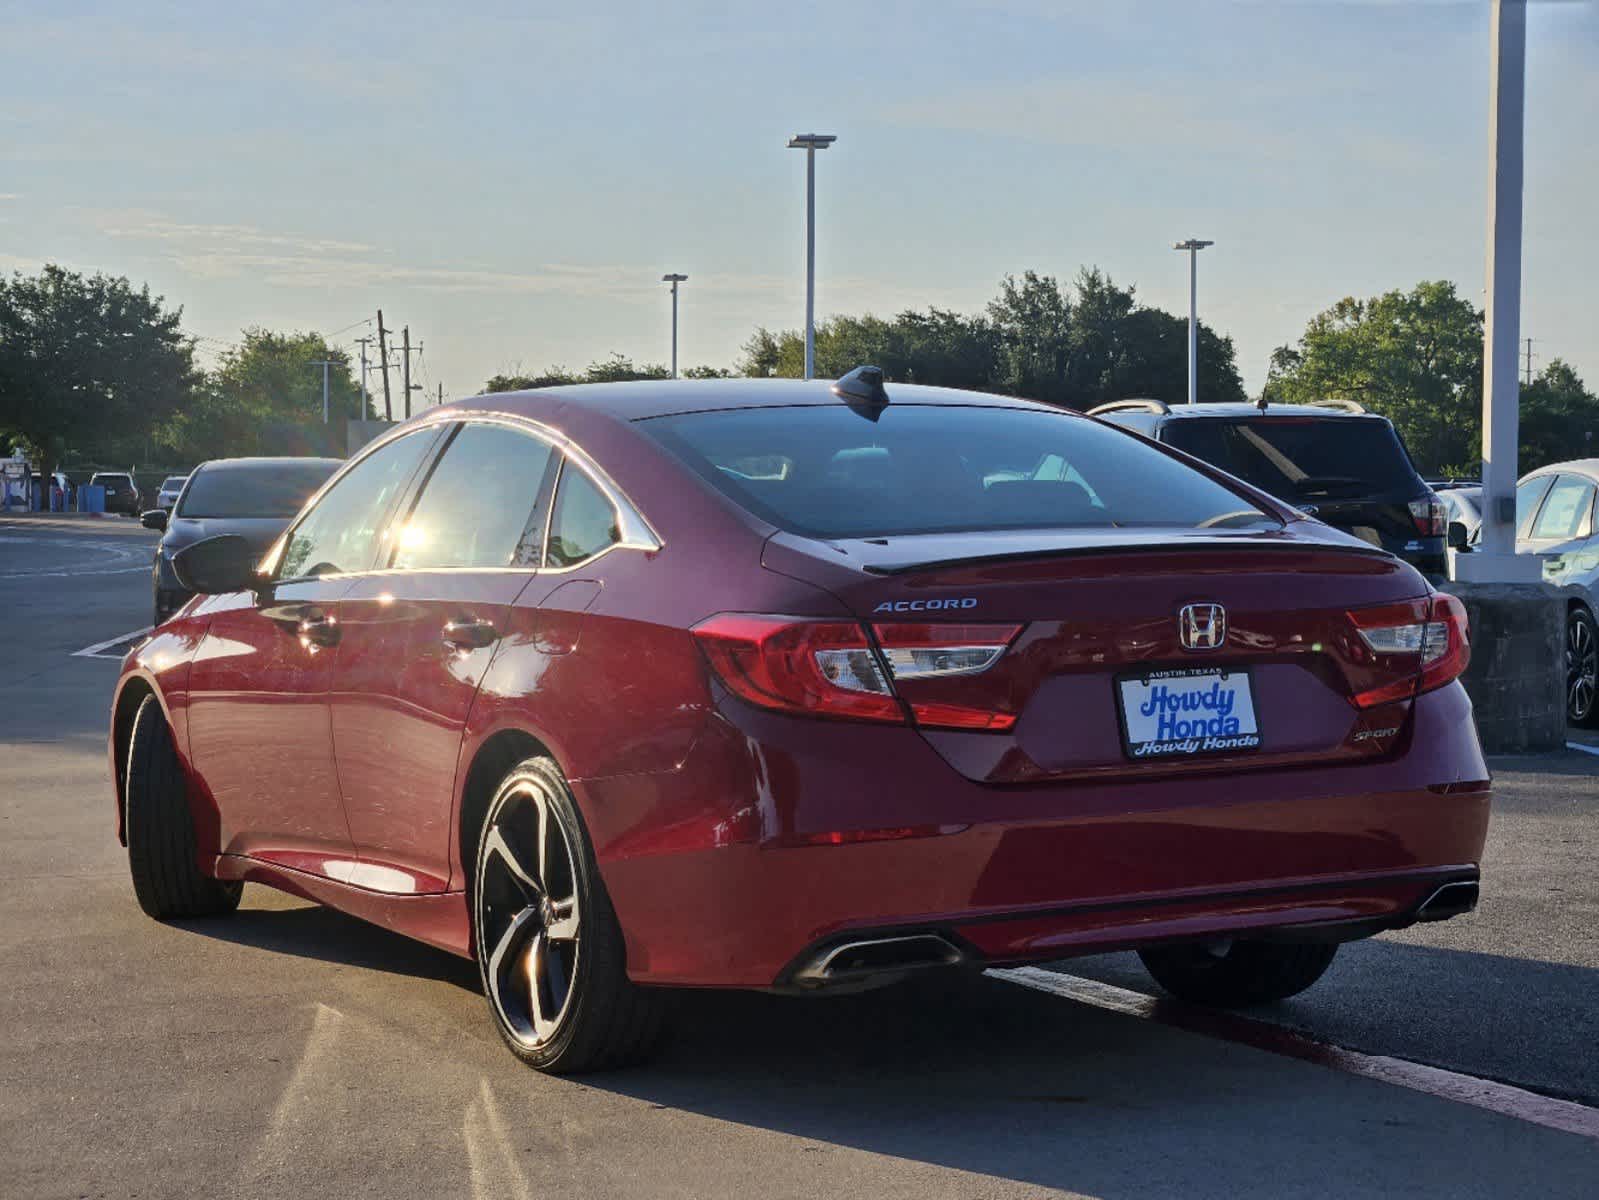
[[818, 668], [831, 668], [1426, 640], [1430, 515]]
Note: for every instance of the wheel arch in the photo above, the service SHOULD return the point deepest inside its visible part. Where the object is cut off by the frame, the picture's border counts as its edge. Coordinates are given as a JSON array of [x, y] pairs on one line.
[[491, 762]]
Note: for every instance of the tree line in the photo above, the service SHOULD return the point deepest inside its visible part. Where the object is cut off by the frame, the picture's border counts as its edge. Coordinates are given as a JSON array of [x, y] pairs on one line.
[[93, 368], [96, 370]]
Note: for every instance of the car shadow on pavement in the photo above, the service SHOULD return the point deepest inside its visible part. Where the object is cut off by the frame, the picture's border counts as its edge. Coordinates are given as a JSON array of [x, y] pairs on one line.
[[974, 1073], [311, 931]]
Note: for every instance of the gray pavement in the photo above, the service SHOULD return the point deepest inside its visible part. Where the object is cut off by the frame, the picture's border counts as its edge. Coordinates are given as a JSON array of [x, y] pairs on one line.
[[291, 1050]]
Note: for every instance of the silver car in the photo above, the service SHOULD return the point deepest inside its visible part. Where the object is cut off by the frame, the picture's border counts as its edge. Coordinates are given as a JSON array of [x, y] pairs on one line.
[[1555, 517], [170, 487]]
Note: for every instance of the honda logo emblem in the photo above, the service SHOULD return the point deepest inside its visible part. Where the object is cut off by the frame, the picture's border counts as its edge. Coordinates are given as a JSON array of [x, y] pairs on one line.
[[1202, 626]]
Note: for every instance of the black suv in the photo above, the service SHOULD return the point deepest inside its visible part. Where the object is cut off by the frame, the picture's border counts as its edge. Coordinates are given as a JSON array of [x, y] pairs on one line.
[[121, 493], [1333, 460]]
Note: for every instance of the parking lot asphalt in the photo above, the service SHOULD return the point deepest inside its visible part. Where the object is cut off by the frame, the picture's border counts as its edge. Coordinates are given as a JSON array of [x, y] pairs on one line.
[[291, 1050]]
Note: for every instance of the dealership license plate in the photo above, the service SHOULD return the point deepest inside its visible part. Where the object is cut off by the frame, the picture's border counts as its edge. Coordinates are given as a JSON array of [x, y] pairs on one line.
[[1173, 714]]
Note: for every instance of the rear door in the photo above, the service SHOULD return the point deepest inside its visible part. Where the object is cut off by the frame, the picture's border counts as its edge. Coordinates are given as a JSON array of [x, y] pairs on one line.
[[258, 687], [418, 636]]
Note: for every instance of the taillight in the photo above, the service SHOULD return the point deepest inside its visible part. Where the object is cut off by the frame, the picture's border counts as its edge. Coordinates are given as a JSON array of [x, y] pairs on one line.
[[818, 668], [1426, 640], [934, 651], [1430, 515], [832, 669]]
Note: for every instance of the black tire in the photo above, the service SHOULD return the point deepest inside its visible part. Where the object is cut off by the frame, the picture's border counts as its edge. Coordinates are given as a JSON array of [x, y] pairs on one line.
[[162, 851], [1582, 668], [542, 922], [1238, 973]]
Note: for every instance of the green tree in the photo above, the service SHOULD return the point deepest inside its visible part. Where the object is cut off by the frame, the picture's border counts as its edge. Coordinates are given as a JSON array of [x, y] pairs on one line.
[[1033, 321], [265, 397], [1415, 357], [88, 363], [1559, 418]]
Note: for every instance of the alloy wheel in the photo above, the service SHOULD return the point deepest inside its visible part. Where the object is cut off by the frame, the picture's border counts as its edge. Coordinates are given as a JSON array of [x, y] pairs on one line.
[[1582, 667], [527, 912]]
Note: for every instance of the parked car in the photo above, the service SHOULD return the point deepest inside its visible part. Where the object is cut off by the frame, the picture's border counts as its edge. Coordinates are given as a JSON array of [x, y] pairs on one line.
[[121, 492], [1333, 461], [167, 496], [1464, 502], [251, 498], [771, 684], [1555, 518]]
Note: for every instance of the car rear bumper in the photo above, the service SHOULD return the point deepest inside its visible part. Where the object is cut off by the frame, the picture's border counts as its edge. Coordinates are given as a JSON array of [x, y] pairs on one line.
[[721, 872]]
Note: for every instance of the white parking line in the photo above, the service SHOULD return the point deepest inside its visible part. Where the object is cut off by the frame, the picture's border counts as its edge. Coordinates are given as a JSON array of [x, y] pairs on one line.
[[98, 650], [1501, 1098]]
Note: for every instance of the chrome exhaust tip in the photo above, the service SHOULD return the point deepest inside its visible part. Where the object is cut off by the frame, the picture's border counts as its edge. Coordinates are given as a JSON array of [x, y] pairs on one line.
[[880, 959], [1449, 900]]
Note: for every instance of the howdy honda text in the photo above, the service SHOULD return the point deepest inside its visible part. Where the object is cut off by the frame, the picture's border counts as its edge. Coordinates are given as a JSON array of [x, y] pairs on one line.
[[925, 605]]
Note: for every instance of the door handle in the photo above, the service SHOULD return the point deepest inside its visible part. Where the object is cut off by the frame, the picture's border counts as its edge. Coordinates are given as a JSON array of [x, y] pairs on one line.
[[470, 634], [319, 630]]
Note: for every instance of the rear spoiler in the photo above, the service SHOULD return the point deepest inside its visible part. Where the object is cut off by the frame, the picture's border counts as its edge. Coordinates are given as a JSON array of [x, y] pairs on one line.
[[964, 560]]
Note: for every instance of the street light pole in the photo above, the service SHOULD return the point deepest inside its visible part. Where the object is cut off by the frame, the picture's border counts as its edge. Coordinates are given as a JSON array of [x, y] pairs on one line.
[[1193, 246], [674, 280], [810, 143], [324, 364]]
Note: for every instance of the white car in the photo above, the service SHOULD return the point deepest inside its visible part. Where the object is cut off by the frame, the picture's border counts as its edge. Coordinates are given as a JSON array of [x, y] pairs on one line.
[[170, 487], [1555, 518]]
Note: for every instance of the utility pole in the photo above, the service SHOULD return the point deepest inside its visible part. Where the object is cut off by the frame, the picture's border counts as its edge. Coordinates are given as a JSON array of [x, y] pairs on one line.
[[383, 363], [406, 377], [363, 342], [324, 364], [441, 393], [1529, 362]]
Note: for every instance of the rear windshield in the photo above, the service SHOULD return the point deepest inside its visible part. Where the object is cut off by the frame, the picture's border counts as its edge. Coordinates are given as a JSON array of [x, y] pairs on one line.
[[279, 490], [1301, 458], [172, 482], [100, 477], [830, 472]]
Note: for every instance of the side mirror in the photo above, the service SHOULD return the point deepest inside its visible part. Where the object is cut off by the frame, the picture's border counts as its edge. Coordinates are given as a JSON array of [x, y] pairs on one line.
[[1458, 535], [215, 565], [155, 518]]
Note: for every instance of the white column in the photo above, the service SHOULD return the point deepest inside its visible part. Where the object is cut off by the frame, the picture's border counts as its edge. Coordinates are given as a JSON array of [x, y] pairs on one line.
[[1495, 561]]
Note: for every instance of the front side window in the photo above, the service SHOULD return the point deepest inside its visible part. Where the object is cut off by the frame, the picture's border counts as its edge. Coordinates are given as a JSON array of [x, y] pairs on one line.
[[340, 533], [480, 505], [945, 469], [583, 522], [1566, 513]]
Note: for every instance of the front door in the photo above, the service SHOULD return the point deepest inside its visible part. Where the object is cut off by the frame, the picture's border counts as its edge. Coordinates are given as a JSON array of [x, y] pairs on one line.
[[260, 734], [417, 640]]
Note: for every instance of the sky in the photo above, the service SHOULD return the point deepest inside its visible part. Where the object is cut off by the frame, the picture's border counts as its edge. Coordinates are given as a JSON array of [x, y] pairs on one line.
[[511, 181]]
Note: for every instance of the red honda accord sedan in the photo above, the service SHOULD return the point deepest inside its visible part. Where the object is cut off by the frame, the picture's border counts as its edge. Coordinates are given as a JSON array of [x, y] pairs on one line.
[[787, 685]]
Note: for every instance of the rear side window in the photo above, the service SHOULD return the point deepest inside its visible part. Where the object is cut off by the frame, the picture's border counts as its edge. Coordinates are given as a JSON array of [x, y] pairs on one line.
[[583, 523], [830, 472], [278, 490], [1567, 512], [1528, 496], [1301, 459], [340, 532], [480, 506]]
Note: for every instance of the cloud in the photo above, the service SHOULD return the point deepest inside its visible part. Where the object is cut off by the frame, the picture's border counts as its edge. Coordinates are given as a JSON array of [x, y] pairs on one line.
[[216, 252]]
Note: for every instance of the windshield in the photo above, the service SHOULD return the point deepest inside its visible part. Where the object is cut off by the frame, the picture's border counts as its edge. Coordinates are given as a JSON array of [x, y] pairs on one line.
[[278, 490], [830, 472], [172, 483], [1301, 458]]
